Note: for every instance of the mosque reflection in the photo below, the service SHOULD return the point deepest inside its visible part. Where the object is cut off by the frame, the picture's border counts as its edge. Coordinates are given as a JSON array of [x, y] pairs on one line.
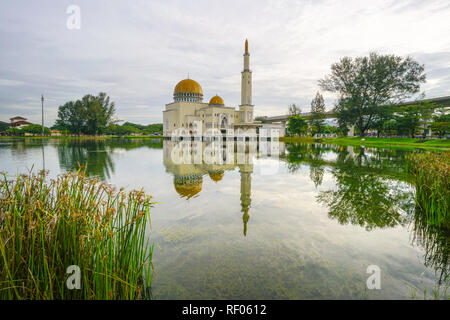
[[190, 161]]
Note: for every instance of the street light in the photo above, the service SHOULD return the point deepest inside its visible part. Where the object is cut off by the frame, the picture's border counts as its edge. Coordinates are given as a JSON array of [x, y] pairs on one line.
[[42, 101]]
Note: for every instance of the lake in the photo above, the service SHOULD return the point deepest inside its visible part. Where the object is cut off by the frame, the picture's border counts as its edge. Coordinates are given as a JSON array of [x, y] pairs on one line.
[[264, 220]]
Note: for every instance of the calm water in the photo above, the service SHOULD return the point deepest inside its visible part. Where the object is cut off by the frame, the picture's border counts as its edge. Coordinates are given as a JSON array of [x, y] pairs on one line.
[[264, 221]]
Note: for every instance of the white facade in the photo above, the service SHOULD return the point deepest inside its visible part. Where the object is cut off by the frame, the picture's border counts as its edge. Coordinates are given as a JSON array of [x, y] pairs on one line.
[[187, 114]]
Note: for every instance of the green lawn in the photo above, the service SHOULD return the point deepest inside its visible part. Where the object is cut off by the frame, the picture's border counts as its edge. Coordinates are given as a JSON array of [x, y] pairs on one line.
[[390, 142], [79, 137], [442, 144]]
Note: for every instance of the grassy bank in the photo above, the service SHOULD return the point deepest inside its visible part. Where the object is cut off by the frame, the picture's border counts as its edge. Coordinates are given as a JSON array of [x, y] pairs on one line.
[[48, 225], [100, 137], [432, 176], [390, 142], [441, 144]]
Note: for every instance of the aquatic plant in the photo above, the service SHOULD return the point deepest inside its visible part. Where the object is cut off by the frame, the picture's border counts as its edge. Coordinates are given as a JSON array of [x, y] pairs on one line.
[[431, 172], [47, 225], [435, 240]]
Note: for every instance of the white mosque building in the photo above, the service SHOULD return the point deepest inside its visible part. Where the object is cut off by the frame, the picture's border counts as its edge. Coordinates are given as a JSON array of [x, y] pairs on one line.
[[187, 114]]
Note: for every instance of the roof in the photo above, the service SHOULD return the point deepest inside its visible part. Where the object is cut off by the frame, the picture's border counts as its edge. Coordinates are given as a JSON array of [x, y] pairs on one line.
[[17, 118], [19, 123], [188, 86]]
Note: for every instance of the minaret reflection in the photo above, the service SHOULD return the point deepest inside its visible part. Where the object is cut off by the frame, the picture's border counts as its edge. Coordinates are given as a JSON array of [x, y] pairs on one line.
[[244, 154], [190, 161], [246, 190]]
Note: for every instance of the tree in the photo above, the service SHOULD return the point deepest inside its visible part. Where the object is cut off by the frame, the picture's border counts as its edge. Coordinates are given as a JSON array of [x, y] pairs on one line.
[[384, 114], [409, 119], [441, 122], [3, 126], [262, 119], [35, 129], [71, 117], [90, 115], [297, 125], [14, 132], [317, 113], [99, 112], [365, 83], [294, 110]]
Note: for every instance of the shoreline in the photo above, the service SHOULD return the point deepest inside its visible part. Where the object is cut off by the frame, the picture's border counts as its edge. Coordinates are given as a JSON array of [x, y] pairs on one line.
[[410, 143], [81, 137]]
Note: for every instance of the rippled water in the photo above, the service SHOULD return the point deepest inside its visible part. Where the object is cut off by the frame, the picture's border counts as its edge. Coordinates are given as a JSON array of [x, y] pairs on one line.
[[264, 220]]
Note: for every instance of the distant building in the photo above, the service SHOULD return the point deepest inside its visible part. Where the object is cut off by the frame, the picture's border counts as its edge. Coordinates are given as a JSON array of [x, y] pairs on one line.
[[19, 122], [55, 133]]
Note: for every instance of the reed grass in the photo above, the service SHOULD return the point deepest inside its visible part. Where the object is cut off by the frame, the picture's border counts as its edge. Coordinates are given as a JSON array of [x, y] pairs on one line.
[[431, 172], [47, 225]]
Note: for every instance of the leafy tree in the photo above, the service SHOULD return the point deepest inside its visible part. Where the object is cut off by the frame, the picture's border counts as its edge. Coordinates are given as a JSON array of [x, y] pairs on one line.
[[71, 117], [297, 125], [156, 127], [132, 128], [441, 122], [35, 129], [409, 119], [384, 114], [3, 127], [262, 119], [317, 113], [365, 83], [294, 110], [99, 112], [14, 132], [90, 115]]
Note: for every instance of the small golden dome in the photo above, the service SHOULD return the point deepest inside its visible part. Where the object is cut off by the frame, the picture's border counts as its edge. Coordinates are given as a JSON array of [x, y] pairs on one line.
[[188, 86], [216, 176], [216, 100]]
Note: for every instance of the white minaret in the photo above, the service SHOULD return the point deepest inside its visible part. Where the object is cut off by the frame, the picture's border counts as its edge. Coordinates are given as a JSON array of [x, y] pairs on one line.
[[246, 107]]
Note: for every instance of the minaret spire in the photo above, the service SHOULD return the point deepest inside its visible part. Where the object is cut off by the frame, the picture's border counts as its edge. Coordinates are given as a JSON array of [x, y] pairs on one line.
[[246, 84]]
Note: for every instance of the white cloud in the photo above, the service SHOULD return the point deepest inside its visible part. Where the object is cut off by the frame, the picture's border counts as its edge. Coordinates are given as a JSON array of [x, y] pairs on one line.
[[138, 51]]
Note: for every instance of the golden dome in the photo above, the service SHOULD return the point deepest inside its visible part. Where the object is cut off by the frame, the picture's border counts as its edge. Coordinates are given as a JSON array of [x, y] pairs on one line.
[[188, 190], [216, 100], [188, 86], [216, 176]]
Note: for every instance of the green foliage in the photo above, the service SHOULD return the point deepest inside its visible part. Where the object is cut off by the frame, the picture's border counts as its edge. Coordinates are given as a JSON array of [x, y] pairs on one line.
[[262, 119], [381, 119], [432, 175], [90, 115], [49, 225], [441, 122], [129, 128], [35, 129], [365, 83], [297, 125], [294, 110], [317, 114], [410, 118], [14, 132], [3, 127]]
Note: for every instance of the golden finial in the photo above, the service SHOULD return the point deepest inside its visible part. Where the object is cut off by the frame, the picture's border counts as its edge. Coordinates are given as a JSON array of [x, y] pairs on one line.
[[246, 46]]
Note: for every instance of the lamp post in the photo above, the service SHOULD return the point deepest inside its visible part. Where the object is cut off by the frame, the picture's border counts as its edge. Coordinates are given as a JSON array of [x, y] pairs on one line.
[[42, 102]]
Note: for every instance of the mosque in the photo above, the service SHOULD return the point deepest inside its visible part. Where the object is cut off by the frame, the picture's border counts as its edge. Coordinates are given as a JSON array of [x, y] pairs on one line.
[[188, 111]]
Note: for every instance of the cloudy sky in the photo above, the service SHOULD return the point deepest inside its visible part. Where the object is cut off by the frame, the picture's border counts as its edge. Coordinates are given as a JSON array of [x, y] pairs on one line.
[[136, 51]]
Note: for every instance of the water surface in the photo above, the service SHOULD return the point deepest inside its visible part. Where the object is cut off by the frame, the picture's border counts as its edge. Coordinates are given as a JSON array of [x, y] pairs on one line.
[[253, 220]]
